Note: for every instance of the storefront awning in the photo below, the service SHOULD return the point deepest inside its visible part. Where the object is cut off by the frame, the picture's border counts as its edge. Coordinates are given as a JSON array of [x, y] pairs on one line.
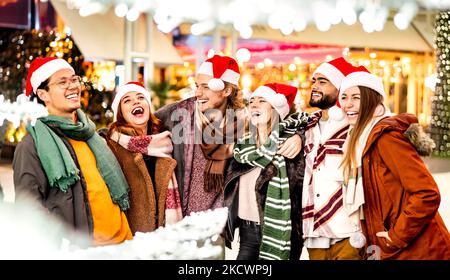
[[418, 37], [102, 36]]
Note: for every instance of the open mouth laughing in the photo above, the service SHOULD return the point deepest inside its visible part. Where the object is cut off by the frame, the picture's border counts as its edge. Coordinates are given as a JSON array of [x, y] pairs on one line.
[[138, 111]]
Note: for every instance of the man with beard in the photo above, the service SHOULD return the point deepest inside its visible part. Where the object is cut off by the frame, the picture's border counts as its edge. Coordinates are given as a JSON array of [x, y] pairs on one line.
[[202, 161], [329, 233]]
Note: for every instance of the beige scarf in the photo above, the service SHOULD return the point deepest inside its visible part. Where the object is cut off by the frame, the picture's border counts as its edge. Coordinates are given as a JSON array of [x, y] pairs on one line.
[[354, 191], [217, 154]]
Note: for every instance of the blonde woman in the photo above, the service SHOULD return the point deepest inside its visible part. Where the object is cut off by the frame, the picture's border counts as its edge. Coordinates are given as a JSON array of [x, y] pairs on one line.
[[263, 188]]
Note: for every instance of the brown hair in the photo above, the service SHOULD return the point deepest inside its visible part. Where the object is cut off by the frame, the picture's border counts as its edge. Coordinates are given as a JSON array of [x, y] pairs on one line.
[[370, 99], [153, 126], [235, 100]]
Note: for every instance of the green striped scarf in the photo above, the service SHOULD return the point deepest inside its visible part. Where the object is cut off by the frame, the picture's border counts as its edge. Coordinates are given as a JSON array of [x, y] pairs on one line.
[[276, 229]]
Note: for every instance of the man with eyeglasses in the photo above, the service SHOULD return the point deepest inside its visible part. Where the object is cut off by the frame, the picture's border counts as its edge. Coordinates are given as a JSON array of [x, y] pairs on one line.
[[64, 165]]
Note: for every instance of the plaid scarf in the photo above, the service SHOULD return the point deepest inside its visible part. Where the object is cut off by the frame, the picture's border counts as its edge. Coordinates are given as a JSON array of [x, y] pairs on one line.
[[60, 167], [276, 229]]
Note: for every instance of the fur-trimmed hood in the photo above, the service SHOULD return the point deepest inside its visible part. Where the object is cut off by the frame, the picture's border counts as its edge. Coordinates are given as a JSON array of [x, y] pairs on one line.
[[420, 139], [408, 125], [400, 194]]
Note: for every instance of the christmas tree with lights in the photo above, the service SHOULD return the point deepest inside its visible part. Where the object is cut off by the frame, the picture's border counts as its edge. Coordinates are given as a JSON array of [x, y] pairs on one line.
[[440, 121], [18, 49]]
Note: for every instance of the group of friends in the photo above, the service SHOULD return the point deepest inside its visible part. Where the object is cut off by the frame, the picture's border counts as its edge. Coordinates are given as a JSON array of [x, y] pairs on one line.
[[346, 181]]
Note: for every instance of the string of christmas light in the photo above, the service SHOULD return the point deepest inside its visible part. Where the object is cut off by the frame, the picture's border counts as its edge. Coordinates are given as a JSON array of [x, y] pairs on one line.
[[17, 50], [440, 122]]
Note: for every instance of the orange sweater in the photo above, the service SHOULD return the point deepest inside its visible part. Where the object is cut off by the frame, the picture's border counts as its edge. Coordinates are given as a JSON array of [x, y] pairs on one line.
[[110, 223]]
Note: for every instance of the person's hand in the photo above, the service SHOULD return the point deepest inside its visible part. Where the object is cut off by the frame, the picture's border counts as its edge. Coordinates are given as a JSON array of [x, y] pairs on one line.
[[161, 145], [385, 235], [291, 147]]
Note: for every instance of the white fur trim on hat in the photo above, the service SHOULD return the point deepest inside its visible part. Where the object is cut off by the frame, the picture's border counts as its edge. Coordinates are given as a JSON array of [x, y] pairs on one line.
[[124, 89], [277, 100], [228, 76], [331, 73], [47, 70], [362, 79]]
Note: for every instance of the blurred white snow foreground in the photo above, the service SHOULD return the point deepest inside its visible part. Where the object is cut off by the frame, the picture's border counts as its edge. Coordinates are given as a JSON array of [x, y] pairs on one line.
[[29, 233]]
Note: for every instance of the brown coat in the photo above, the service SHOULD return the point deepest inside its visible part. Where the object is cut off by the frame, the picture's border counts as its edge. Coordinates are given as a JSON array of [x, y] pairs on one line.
[[401, 196], [143, 200]]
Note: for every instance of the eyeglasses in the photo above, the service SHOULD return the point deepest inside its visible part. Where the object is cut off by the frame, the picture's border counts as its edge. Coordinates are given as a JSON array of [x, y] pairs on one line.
[[65, 83]]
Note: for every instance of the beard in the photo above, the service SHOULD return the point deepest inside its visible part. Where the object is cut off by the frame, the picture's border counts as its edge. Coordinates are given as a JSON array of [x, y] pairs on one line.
[[326, 102]]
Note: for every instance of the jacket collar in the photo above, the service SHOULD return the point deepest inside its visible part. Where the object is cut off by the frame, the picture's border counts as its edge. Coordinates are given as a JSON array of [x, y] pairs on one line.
[[399, 123]]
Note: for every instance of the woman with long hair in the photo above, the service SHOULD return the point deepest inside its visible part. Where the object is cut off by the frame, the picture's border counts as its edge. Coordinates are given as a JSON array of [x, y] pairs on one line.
[[386, 178], [154, 195], [263, 188]]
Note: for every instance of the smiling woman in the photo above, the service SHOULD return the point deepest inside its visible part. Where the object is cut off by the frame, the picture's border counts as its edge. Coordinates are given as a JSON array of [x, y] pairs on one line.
[[387, 178], [154, 196]]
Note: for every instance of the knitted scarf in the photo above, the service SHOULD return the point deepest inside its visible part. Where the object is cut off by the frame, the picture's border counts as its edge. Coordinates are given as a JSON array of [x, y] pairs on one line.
[[139, 144], [218, 153], [354, 189], [60, 167], [276, 229]]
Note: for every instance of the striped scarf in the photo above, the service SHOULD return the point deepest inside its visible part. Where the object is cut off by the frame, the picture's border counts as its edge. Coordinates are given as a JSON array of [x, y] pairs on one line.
[[315, 216], [276, 229]]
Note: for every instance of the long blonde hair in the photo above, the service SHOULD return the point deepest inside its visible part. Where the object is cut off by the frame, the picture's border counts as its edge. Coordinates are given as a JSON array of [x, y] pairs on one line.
[[370, 99]]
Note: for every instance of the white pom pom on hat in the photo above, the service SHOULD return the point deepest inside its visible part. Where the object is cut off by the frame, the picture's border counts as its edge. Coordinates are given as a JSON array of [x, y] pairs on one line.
[[357, 240], [336, 113], [216, 84]]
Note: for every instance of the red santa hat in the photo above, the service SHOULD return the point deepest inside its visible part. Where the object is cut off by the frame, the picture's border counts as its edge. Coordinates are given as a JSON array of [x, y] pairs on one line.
[[221, 68], [335, 70], [280, 96], [126, 88], [41, 69], [362, 77]]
